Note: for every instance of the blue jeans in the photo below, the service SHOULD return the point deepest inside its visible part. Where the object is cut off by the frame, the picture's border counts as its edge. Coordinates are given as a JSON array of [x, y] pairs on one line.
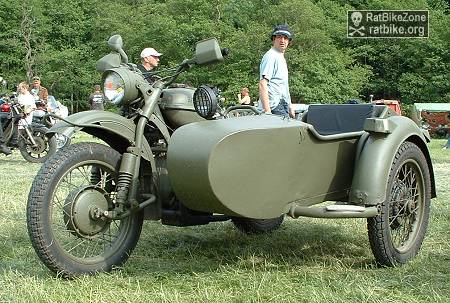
[[282, 109]]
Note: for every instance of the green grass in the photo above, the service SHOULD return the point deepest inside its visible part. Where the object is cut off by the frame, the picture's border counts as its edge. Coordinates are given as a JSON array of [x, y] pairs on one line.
[[306, 260]]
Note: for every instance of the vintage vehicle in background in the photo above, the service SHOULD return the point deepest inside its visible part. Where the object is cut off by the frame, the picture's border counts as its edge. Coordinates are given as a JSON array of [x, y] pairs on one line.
[[40, 116], [33, 145], [392, 104], [176, 157], [433, 116]]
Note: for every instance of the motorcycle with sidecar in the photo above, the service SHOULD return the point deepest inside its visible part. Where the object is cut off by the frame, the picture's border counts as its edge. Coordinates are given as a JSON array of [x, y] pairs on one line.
[[176, 157]]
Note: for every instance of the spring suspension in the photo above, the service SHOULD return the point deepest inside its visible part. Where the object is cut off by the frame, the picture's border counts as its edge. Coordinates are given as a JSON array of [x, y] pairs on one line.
[[125, 177], [123, 185]]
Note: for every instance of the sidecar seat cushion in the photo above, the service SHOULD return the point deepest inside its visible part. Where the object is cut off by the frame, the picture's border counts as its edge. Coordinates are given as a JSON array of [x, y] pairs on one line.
[[330, 119]]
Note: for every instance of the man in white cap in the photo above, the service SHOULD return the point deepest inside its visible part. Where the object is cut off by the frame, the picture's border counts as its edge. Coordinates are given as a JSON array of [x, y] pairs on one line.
[[149, 60]]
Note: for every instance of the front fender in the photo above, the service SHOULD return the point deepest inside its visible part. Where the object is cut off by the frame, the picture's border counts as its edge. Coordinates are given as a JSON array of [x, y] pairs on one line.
[[116, 130], [375, 157]]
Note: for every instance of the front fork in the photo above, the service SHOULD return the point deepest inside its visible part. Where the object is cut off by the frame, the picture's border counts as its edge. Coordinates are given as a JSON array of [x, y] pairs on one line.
[[128, 180], [28, 129], [30, 135]]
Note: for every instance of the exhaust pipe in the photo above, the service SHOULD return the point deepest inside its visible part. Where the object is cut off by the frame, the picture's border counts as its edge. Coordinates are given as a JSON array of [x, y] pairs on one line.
[[334, 211]]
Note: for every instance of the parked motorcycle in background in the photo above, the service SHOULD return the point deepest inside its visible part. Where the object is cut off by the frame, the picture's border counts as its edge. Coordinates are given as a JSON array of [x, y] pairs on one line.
[[34, 146], [53, 107]]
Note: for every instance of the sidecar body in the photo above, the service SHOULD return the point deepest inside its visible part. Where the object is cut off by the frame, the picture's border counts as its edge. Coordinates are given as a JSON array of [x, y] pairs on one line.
[[264, 166]]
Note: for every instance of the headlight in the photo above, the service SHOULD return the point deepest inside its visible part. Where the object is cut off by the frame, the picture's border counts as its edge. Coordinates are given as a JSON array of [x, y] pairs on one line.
[[119, 85], [205, 101], [114, 88]]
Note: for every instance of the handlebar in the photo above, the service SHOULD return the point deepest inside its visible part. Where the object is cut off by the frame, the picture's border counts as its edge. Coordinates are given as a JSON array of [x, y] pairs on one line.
[[236, 107]]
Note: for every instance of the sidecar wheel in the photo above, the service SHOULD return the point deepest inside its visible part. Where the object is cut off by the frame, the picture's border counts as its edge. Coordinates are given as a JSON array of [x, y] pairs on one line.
[[44, 148], [61, 221], [257, 226], [396, 234]]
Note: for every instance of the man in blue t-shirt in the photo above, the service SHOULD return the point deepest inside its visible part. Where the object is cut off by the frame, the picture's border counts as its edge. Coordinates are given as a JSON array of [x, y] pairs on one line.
[[274, 94]]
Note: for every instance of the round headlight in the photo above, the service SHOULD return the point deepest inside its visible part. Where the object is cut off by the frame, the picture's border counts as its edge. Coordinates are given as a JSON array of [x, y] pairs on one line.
[[114, 88], [205, 101], [120, 85]]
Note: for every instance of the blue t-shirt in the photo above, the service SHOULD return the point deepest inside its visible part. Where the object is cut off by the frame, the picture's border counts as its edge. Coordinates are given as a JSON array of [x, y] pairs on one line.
[[273, 68]]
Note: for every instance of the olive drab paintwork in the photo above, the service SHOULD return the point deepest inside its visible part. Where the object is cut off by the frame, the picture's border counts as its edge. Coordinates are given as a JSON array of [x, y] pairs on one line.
[[262, 166], [177, 106], [208, 51], [110, 127], [377, 155], [257, 166], [166, 163]]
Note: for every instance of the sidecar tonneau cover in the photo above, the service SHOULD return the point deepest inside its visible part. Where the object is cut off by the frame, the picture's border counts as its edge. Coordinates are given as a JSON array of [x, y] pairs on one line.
[[330, 119]]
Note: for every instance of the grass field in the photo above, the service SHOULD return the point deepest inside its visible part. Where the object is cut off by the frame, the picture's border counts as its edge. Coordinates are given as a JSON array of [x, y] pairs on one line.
[[306, 260]]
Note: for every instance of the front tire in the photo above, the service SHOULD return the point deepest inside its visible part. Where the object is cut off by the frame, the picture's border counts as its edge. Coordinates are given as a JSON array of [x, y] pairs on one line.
[[257, 226], [64, 233], [44, 148], [396, 234]]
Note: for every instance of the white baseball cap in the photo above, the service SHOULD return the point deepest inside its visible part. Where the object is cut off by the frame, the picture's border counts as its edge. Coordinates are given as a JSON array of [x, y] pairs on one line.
[[149, 51]]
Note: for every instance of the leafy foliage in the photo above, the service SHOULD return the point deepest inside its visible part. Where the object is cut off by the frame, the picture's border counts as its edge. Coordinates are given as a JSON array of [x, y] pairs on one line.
[[62, 40]]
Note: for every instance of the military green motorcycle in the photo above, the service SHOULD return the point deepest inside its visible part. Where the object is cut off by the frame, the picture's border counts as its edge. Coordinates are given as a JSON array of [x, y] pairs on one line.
[[175, 156]]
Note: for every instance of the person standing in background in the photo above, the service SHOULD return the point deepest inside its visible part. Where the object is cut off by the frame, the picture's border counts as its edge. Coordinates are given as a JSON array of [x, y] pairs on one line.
[[97, 98], [274, 96]]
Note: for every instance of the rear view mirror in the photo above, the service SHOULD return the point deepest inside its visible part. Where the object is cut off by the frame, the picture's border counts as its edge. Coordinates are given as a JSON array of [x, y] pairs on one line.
[[109, 61], [208, 51], [115, 43]]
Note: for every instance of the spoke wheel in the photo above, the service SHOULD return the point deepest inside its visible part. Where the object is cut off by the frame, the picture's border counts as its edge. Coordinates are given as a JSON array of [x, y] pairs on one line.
[[396, 234], [63, 209], [42, 150]]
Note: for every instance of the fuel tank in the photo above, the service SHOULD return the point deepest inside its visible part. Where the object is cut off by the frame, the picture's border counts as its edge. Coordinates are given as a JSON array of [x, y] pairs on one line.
[[177, 106], [257, 166]]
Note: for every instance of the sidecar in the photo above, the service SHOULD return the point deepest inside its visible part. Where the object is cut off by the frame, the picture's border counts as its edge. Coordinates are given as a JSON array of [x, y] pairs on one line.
[[372, 162]]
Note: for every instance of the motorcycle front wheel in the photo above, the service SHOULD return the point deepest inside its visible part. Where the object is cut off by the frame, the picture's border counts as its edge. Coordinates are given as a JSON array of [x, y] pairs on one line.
[[42, 150], [66, 235]]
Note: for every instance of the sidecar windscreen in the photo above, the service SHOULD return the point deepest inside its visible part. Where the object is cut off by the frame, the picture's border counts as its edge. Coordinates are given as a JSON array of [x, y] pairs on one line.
[[330, 119]]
